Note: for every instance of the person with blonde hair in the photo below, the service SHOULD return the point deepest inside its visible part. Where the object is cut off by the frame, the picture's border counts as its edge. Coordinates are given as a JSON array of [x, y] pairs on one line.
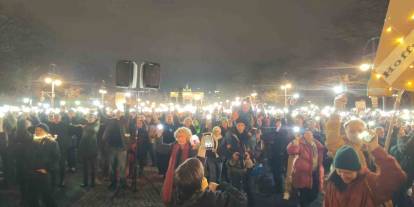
[[180, 151]]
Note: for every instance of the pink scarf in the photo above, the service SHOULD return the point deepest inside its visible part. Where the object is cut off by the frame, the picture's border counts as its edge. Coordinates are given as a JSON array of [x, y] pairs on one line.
[[169, 178]]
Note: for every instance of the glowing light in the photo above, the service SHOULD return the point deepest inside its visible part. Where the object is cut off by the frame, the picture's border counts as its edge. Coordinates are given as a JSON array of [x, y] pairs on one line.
[[96, 103], [339, 89], [58, 82], [400, 40], [286, 86], [208, 117], [296, 129], [389, 29], [409, 83], [62, 103], [26, 100], [46, 106], [77, 103], [103, 91], [365, 67], [48, 80], [371, 123], [378, 76], [296, 96]]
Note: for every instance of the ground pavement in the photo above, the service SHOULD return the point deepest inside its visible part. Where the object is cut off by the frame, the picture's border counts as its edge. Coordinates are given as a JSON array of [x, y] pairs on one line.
[[147, 194]]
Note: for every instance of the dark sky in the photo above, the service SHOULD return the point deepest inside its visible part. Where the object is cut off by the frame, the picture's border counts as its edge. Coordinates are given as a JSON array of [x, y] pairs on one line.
[[209, 42]]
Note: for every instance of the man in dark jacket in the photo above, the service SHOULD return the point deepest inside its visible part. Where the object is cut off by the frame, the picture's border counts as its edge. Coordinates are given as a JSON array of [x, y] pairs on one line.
[[4, 144], [404, 154], [237, 151], [75, 132], [276, 141], [116, 138], [60, 129], [44, 155], [88, 150], [139, 132], [167, 138]]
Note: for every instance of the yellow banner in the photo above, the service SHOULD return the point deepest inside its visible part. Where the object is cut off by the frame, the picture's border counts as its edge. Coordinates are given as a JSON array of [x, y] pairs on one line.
[[398, 61]]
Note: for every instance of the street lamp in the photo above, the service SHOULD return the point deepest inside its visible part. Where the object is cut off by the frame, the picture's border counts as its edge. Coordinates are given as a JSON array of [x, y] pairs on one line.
[[365, 67], [285, 87], [54, 82]]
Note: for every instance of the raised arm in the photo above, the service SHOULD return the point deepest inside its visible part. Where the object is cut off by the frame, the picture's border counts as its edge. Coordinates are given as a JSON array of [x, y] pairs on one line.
[[388, 180]]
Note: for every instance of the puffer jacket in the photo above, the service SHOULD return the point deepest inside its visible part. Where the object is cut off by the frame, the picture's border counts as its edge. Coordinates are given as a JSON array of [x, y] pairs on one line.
[[303, 164]]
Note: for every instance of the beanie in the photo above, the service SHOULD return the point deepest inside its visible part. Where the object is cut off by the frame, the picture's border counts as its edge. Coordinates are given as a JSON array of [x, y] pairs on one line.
[[346, 158], [44, 127]]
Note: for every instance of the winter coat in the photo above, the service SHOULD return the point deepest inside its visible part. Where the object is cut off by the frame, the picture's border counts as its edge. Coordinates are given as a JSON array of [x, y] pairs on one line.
[[44, 154], [225, 196], [141, 135], [4, 138], [369, 189], [403, 152], [235, 142], [114, 134], [61, 129], [303, 164], [275, 143], [88, 146], [168, 133]]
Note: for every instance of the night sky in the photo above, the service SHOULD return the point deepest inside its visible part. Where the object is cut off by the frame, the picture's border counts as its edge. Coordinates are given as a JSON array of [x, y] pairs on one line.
[[209, 43]]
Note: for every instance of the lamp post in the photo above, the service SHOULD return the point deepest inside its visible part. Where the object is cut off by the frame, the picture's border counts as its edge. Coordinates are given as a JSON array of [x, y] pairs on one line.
[[285, 87], [53, 82]]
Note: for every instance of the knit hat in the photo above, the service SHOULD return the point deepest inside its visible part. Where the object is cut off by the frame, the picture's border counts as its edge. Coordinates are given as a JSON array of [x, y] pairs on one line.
[[44, 127], [239, 121], [347, 159]]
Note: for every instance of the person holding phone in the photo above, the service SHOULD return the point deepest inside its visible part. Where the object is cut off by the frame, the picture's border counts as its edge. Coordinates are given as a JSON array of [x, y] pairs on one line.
[[353, 128], [192, 190], [308, 171]]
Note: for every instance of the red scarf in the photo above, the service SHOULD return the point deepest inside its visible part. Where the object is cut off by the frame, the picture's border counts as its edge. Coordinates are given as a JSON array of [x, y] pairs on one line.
[[169, 178]]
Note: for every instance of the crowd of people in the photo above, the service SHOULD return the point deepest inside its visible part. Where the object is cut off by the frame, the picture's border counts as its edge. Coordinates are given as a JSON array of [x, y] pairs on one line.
[[248, 157]]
